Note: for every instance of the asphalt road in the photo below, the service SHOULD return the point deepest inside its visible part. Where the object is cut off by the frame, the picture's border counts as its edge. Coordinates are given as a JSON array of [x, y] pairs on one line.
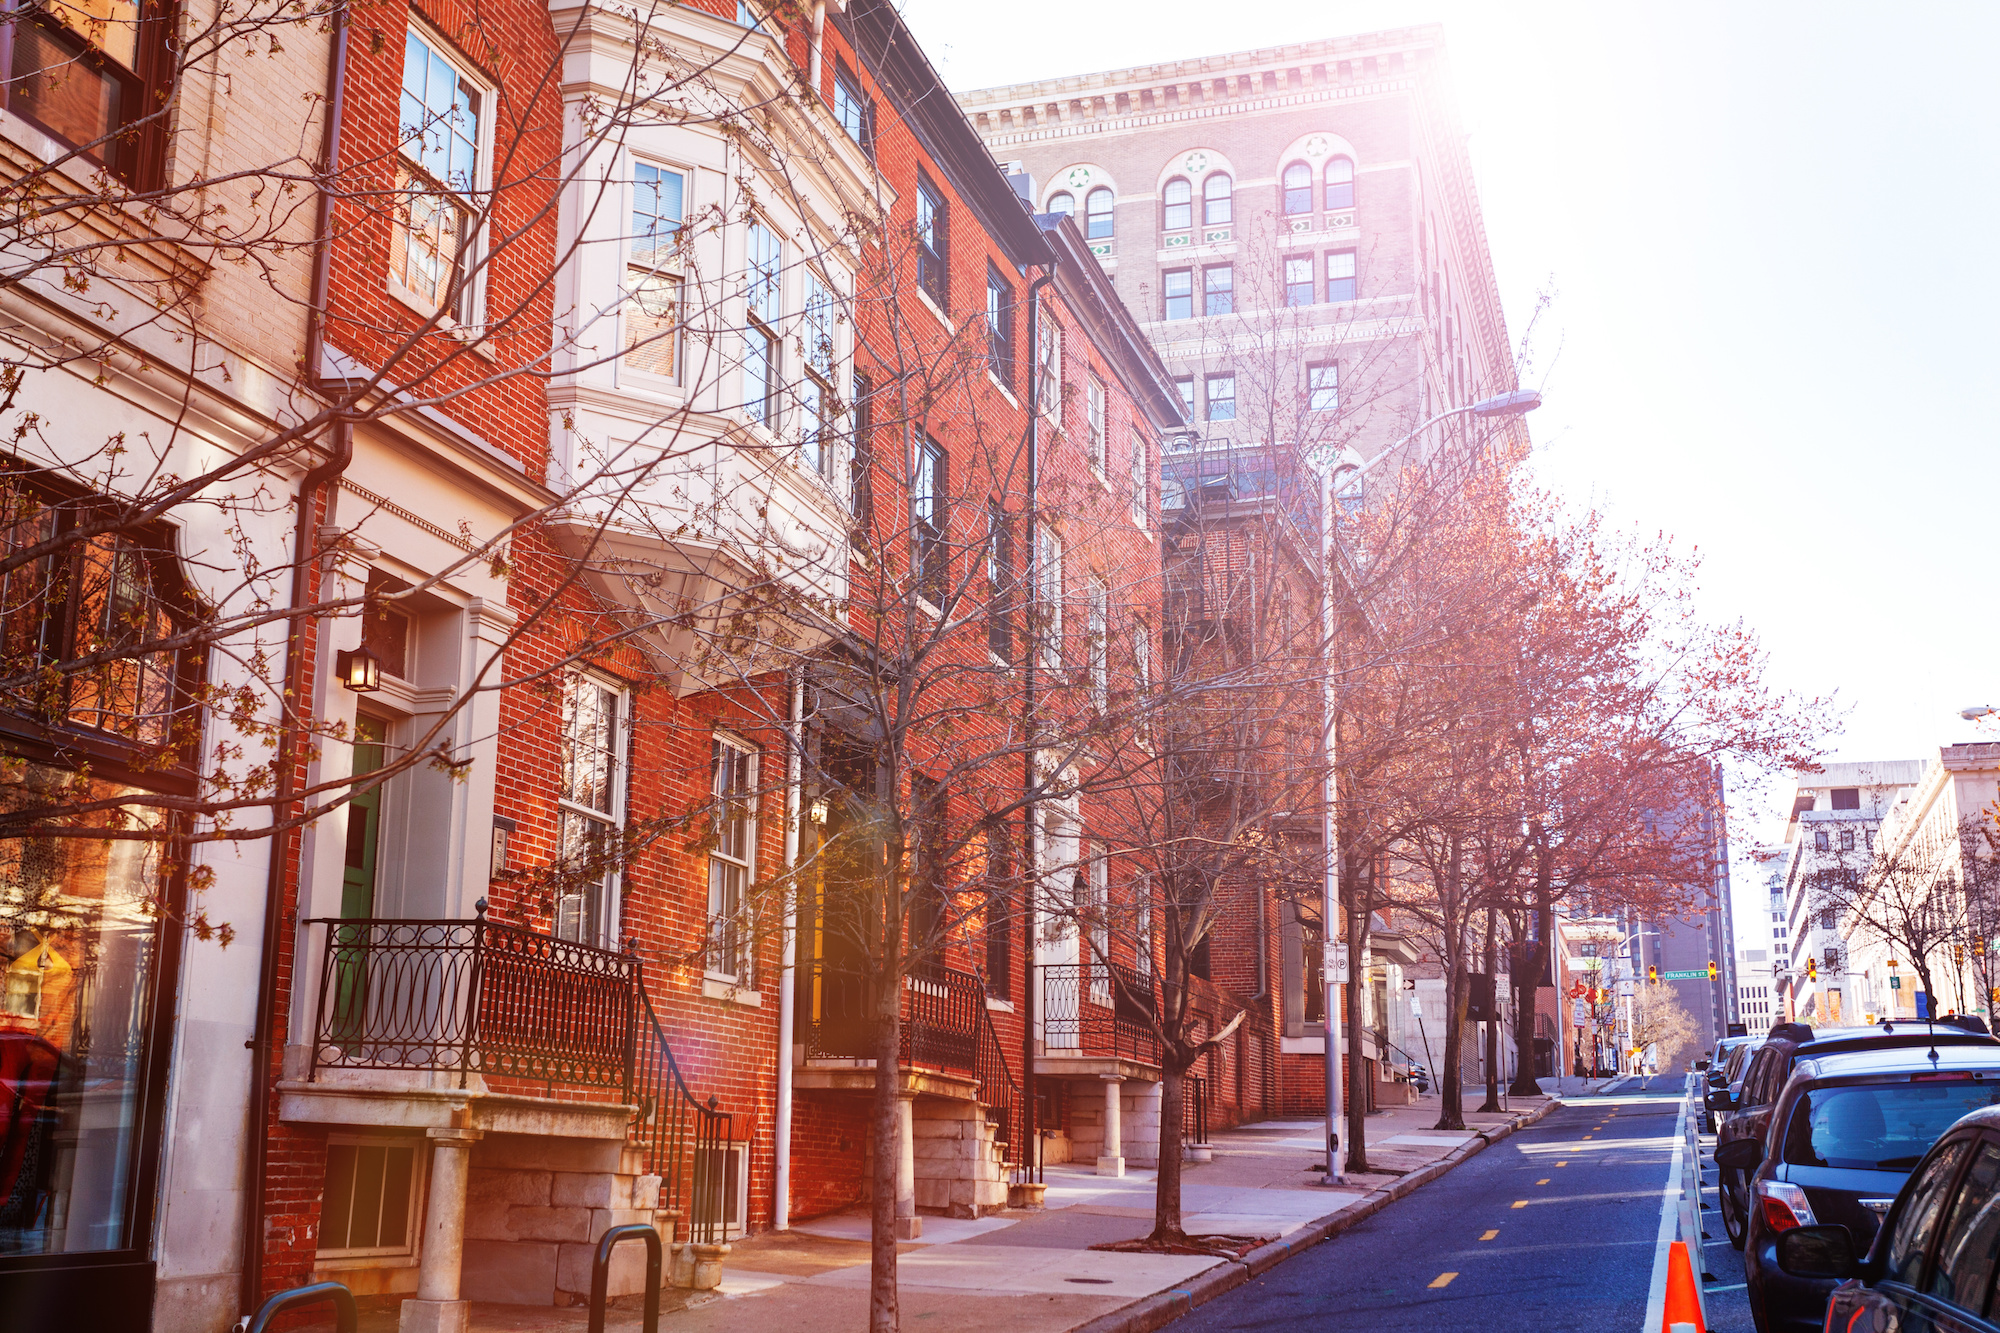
[[1554, 1227]]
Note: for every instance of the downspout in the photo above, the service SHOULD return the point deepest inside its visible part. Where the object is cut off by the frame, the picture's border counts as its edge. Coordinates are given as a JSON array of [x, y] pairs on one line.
[[781, 1186], [256, 1157], [1031, 1142], [815, 61]]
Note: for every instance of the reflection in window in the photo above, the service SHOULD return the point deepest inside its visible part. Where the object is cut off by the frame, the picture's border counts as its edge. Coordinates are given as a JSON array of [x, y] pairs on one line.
[[652, 314], [1177, 293], [1340, 279], [1298, 188], [79, 932], [1097, 214], [1217, 199], [1299, 280], [587, 809], [1177, 205], [1062, 202], [438, 177], [1340, 183]]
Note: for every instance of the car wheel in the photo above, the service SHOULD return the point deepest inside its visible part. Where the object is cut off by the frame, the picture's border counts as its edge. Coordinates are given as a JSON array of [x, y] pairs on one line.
[[1733, 1222]]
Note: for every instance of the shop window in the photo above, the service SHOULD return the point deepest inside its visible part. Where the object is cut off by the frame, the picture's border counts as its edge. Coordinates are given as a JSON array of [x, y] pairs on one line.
[[90, 74]]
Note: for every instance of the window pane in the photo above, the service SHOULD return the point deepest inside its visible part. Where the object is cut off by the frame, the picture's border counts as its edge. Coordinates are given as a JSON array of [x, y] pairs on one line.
[[440, 117], [1323, 392], [656, 214], [1298, 188], [1299, 281], [1221, 397], [1216, 198], [1178, 288], [1886, 1127], [1177, 205], [1099, 208], [1218, 289], [1062, 202], [78, 952], [652, 322], [1339, 183], [1340, 279], [53, 84], [590, 712]]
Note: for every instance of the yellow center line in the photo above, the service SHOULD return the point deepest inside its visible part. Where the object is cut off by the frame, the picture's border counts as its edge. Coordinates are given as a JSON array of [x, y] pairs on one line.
[[1543, 1181], [1562, 1163], [1443, 1279], [1489, 1235], [1520, 1203]]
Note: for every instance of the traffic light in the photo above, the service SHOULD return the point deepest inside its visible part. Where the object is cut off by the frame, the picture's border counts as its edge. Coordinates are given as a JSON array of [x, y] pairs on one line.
[[1812, 970], [1711, 969], [1958, 954], [1652, 976]]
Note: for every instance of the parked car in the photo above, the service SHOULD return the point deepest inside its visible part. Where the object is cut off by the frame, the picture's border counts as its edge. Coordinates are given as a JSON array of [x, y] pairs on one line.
[[1931, 1266], [1729, 1079], [1844, 1135], [1715, 1073], [1744, 1111]]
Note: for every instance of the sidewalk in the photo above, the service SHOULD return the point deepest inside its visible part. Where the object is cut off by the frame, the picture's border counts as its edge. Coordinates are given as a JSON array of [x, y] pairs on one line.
[[1033, 1270]]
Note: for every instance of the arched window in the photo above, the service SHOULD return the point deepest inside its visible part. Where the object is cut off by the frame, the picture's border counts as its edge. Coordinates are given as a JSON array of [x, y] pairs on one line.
[[1097, 214], [1177, 205], [1216, 194], [1340, 183], [1298, 188], [1060, 202]]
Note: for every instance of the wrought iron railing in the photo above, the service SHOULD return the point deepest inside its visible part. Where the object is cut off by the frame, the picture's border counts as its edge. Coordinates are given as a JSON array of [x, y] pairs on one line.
[[997, 1093], [687, 1143], [1090, 1009], [941, 1014], [474, 997], [1194, 1108]]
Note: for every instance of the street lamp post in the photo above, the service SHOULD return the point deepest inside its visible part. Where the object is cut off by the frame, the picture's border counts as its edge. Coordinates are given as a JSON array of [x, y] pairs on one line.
[[1506, 405]]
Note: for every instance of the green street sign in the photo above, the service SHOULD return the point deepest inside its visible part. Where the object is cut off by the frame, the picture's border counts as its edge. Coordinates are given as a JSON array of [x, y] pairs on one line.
[[1895, 983], [1699, 974]]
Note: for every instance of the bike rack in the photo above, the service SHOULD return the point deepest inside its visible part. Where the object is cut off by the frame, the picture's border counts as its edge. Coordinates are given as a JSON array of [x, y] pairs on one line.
[[345, 1319], [600, 1275]]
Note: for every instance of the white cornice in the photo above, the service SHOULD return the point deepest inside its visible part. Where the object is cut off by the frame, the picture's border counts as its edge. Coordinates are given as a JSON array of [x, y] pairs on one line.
[[1133, 121]]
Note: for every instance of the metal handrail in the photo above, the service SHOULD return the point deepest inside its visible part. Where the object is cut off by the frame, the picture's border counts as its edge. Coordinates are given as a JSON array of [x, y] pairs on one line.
[[996, 1092], [473, 996], [600, 1275], [667, 1109]]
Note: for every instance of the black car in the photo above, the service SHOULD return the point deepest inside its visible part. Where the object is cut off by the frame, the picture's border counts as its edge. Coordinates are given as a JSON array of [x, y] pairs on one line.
[[1844, 1135], [1931, 1266], [1744, 1112]]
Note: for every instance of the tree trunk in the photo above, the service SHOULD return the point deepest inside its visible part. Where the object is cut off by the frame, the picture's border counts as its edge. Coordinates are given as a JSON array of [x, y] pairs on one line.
[[1167, 1187], [1451, 1096], [1492, 1102], [886, 1126], [1527, 988]]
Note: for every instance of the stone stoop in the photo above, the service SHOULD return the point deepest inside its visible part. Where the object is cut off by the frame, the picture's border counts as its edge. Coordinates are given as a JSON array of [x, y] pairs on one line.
[[1138, 1122], [960, 1166], [535, 1208]]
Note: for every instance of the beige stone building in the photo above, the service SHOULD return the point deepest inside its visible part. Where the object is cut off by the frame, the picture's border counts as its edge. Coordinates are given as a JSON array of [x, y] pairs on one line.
[[1296, 227]]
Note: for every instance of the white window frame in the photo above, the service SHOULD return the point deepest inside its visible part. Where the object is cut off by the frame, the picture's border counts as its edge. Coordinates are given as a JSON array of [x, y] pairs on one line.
[[1142, 677], [824, 373], [611, 888], [735, 1170], [471, 198], [1094, 399], [1323, 397], [741, 969], [1049, 596], [1141, 478], [413, 1214], [763, 309], [1097, 916], [1048, 363], [1097, 652], [639, 280]]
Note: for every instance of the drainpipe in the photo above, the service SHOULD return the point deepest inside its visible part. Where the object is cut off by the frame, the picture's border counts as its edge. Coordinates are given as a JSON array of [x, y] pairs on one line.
[[1030, 1142], [816, 59], [781, 1188], [256, 1158]]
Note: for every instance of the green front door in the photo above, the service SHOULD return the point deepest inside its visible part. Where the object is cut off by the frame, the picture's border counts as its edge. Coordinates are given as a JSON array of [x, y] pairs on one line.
[[357, 886]]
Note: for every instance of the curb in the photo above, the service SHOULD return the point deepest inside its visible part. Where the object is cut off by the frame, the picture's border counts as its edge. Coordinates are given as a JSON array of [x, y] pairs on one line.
[[1162, 1308]]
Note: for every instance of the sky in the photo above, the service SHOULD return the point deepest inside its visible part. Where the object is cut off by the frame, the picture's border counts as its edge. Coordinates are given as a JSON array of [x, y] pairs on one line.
[[1767, 230]]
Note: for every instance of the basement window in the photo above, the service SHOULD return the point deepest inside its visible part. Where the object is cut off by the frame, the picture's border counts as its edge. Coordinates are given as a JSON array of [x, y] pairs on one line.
[[371, 1198]]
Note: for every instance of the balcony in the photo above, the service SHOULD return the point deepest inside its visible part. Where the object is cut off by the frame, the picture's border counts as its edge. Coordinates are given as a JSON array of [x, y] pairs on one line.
[[478, 1026], [1097, 1020]]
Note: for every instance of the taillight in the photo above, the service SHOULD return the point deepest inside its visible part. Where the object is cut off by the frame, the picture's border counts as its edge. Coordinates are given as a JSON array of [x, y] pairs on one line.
[[1784, 1206]]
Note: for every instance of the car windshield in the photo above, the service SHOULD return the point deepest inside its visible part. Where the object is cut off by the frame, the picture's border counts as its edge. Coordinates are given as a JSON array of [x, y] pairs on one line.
[[1880, 1126]]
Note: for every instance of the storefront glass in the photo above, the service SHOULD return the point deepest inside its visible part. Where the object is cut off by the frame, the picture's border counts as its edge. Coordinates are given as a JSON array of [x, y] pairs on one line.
[[79, 944]]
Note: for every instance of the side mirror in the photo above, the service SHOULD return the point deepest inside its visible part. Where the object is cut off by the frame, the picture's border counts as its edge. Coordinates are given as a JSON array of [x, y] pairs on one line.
[[1718, 1099], [1740, 1155], [1817, 1252]]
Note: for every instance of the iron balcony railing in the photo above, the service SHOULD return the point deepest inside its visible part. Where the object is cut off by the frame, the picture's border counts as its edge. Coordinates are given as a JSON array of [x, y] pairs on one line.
[[475, 997], [1021, 1152], [479, 997], [941, 1013], [1090, 1009]]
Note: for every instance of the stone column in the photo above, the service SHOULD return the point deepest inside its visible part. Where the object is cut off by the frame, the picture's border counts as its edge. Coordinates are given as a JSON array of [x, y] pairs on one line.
[[437, 1308], [1112, 1161], [908, 1225]]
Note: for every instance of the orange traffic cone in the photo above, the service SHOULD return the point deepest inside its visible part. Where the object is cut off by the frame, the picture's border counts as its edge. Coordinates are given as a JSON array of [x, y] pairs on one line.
[[1683, 1307]]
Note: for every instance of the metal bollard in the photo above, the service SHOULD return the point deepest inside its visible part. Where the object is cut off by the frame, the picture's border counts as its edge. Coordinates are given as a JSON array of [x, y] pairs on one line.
[[600, 1274], [345, 1320]]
